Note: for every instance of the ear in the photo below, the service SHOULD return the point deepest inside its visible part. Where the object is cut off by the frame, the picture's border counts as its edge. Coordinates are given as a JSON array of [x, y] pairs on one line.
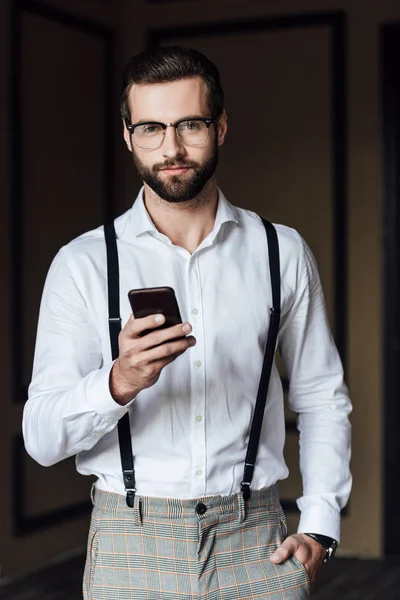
[[127, 137], [222, 128]]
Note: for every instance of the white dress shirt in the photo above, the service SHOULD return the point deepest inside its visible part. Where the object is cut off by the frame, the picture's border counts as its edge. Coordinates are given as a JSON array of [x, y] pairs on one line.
[[190, 430]]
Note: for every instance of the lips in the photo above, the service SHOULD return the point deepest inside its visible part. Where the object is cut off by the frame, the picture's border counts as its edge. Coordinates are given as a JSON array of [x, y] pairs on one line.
[[180, 168], [176, 170]]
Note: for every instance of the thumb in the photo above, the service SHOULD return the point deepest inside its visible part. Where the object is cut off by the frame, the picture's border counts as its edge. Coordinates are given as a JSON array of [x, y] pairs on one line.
[[286, 549]]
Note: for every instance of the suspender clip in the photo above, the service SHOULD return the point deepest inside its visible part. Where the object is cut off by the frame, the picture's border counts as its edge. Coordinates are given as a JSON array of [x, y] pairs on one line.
[[129, 483], [129, 479], [130, 498], [245, 489]]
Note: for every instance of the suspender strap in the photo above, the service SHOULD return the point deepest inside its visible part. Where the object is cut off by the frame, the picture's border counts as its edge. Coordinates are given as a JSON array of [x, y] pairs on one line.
[[114, 319], [275, 313], [114, 324]]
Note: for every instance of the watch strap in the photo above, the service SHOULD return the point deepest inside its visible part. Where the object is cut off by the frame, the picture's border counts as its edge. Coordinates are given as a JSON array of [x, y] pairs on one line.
[[330, 544]]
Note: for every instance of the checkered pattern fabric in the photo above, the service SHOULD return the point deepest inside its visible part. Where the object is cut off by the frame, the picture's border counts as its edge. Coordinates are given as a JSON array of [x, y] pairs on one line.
[[163, 549]]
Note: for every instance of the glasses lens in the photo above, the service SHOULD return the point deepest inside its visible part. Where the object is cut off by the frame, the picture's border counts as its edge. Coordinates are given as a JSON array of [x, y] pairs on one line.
[[192, 133], [149, 135]]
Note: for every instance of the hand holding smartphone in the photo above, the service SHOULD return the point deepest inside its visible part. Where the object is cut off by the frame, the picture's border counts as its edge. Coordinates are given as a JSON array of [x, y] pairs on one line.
[[146, 346]]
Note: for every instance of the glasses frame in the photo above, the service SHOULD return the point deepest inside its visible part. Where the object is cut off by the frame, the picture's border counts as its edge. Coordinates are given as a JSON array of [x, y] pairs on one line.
[[132, 126]]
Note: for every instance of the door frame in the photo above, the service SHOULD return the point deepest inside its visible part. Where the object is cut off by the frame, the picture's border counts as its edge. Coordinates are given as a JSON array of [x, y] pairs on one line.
[[390, 120]]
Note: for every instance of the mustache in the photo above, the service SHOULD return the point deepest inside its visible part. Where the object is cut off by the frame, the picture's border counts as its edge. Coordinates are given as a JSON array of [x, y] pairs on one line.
[[175, 163]]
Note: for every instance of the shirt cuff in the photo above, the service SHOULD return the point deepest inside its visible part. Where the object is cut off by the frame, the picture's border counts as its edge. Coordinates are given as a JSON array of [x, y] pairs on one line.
[[99, 395], [320, 520]]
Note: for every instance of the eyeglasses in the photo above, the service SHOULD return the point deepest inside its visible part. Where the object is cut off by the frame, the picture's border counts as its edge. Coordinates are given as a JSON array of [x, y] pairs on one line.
[[150, 135]]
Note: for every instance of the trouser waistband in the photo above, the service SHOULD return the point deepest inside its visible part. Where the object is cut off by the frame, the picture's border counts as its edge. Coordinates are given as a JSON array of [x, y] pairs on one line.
[[177, 508]]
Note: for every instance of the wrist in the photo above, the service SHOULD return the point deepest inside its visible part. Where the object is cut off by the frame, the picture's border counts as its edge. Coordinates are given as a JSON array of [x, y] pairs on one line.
[[121, 391], [329, 544]]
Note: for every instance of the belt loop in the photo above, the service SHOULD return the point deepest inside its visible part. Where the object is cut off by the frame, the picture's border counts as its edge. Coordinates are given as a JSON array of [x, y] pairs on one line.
[[241, 507], [137, 511], [93, 492]]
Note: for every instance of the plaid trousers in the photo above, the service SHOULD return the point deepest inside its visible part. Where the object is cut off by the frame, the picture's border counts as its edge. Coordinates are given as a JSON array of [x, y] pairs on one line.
[[212, 548]]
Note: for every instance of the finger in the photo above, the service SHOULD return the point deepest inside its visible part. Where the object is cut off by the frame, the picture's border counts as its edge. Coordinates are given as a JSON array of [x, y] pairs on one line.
[[160, 363], [169, 359], [134, 327], [169, 349], [303, 554], [163, 362], [286, 549], [155, 338]]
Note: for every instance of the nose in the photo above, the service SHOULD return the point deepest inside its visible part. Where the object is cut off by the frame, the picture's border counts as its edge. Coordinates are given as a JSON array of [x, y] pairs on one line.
[[172, 145]]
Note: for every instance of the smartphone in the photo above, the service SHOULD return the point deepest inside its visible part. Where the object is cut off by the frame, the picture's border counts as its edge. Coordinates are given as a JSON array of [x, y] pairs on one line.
[[152, 301]]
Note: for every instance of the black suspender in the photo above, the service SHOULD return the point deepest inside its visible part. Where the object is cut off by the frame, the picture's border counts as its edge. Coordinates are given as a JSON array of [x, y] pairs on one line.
[[275, 312], [124, 431], [114, 324]]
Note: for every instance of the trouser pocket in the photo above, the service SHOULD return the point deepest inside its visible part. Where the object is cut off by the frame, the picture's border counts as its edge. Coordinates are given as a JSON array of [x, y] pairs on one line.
[[91, 554]]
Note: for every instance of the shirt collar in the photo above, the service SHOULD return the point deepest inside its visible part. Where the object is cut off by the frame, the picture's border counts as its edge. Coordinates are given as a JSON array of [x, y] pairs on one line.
[[139, 220]]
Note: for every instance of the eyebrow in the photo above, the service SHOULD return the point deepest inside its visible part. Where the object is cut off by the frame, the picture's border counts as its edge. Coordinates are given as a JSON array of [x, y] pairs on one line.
[[190, 117]]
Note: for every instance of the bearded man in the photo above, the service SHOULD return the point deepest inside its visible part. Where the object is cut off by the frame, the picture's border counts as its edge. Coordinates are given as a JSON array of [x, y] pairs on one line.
[[190, 525]]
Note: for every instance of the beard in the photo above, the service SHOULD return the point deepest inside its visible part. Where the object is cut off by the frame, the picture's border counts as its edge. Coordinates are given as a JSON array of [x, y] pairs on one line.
[[179, 188]]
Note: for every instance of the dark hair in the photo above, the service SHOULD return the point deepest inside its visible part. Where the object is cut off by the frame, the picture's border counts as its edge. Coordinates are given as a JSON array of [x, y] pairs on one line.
[[171, 63]]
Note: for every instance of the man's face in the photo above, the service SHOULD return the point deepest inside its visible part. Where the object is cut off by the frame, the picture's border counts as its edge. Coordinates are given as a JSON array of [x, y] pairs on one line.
[[175, 172]]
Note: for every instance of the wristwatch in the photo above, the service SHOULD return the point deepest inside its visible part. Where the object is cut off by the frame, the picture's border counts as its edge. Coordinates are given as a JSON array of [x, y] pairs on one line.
[[328, 543]]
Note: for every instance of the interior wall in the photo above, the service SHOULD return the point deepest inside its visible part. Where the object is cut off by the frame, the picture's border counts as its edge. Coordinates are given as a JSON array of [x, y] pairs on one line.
[[5, 269], [295, 187], [290, 181], [57, 162]]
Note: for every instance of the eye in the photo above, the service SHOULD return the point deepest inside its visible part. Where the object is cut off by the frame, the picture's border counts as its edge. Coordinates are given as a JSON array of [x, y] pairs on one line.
[[149, 129], [190, 125]]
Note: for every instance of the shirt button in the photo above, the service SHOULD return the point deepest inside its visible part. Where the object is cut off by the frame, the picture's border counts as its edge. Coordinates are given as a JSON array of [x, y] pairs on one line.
[[199, 472], [195, 311], [197, 364], [199, 418]]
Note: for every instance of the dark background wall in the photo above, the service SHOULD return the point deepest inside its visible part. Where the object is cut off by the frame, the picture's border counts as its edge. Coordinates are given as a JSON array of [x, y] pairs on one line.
[[310, 73]]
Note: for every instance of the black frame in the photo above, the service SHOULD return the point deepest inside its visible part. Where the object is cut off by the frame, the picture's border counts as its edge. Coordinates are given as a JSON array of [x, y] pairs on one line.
[[208, 122], [390, 118], [165, 1], [15, 143], [25, 525], [132, 126], [337, 23]]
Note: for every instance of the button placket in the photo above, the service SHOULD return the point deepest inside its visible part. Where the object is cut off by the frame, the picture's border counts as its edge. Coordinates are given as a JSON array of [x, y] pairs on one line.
[[197, 383]]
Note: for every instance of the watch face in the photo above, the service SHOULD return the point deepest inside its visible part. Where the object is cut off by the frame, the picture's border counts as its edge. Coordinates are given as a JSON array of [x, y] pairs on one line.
[[331, 551]]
